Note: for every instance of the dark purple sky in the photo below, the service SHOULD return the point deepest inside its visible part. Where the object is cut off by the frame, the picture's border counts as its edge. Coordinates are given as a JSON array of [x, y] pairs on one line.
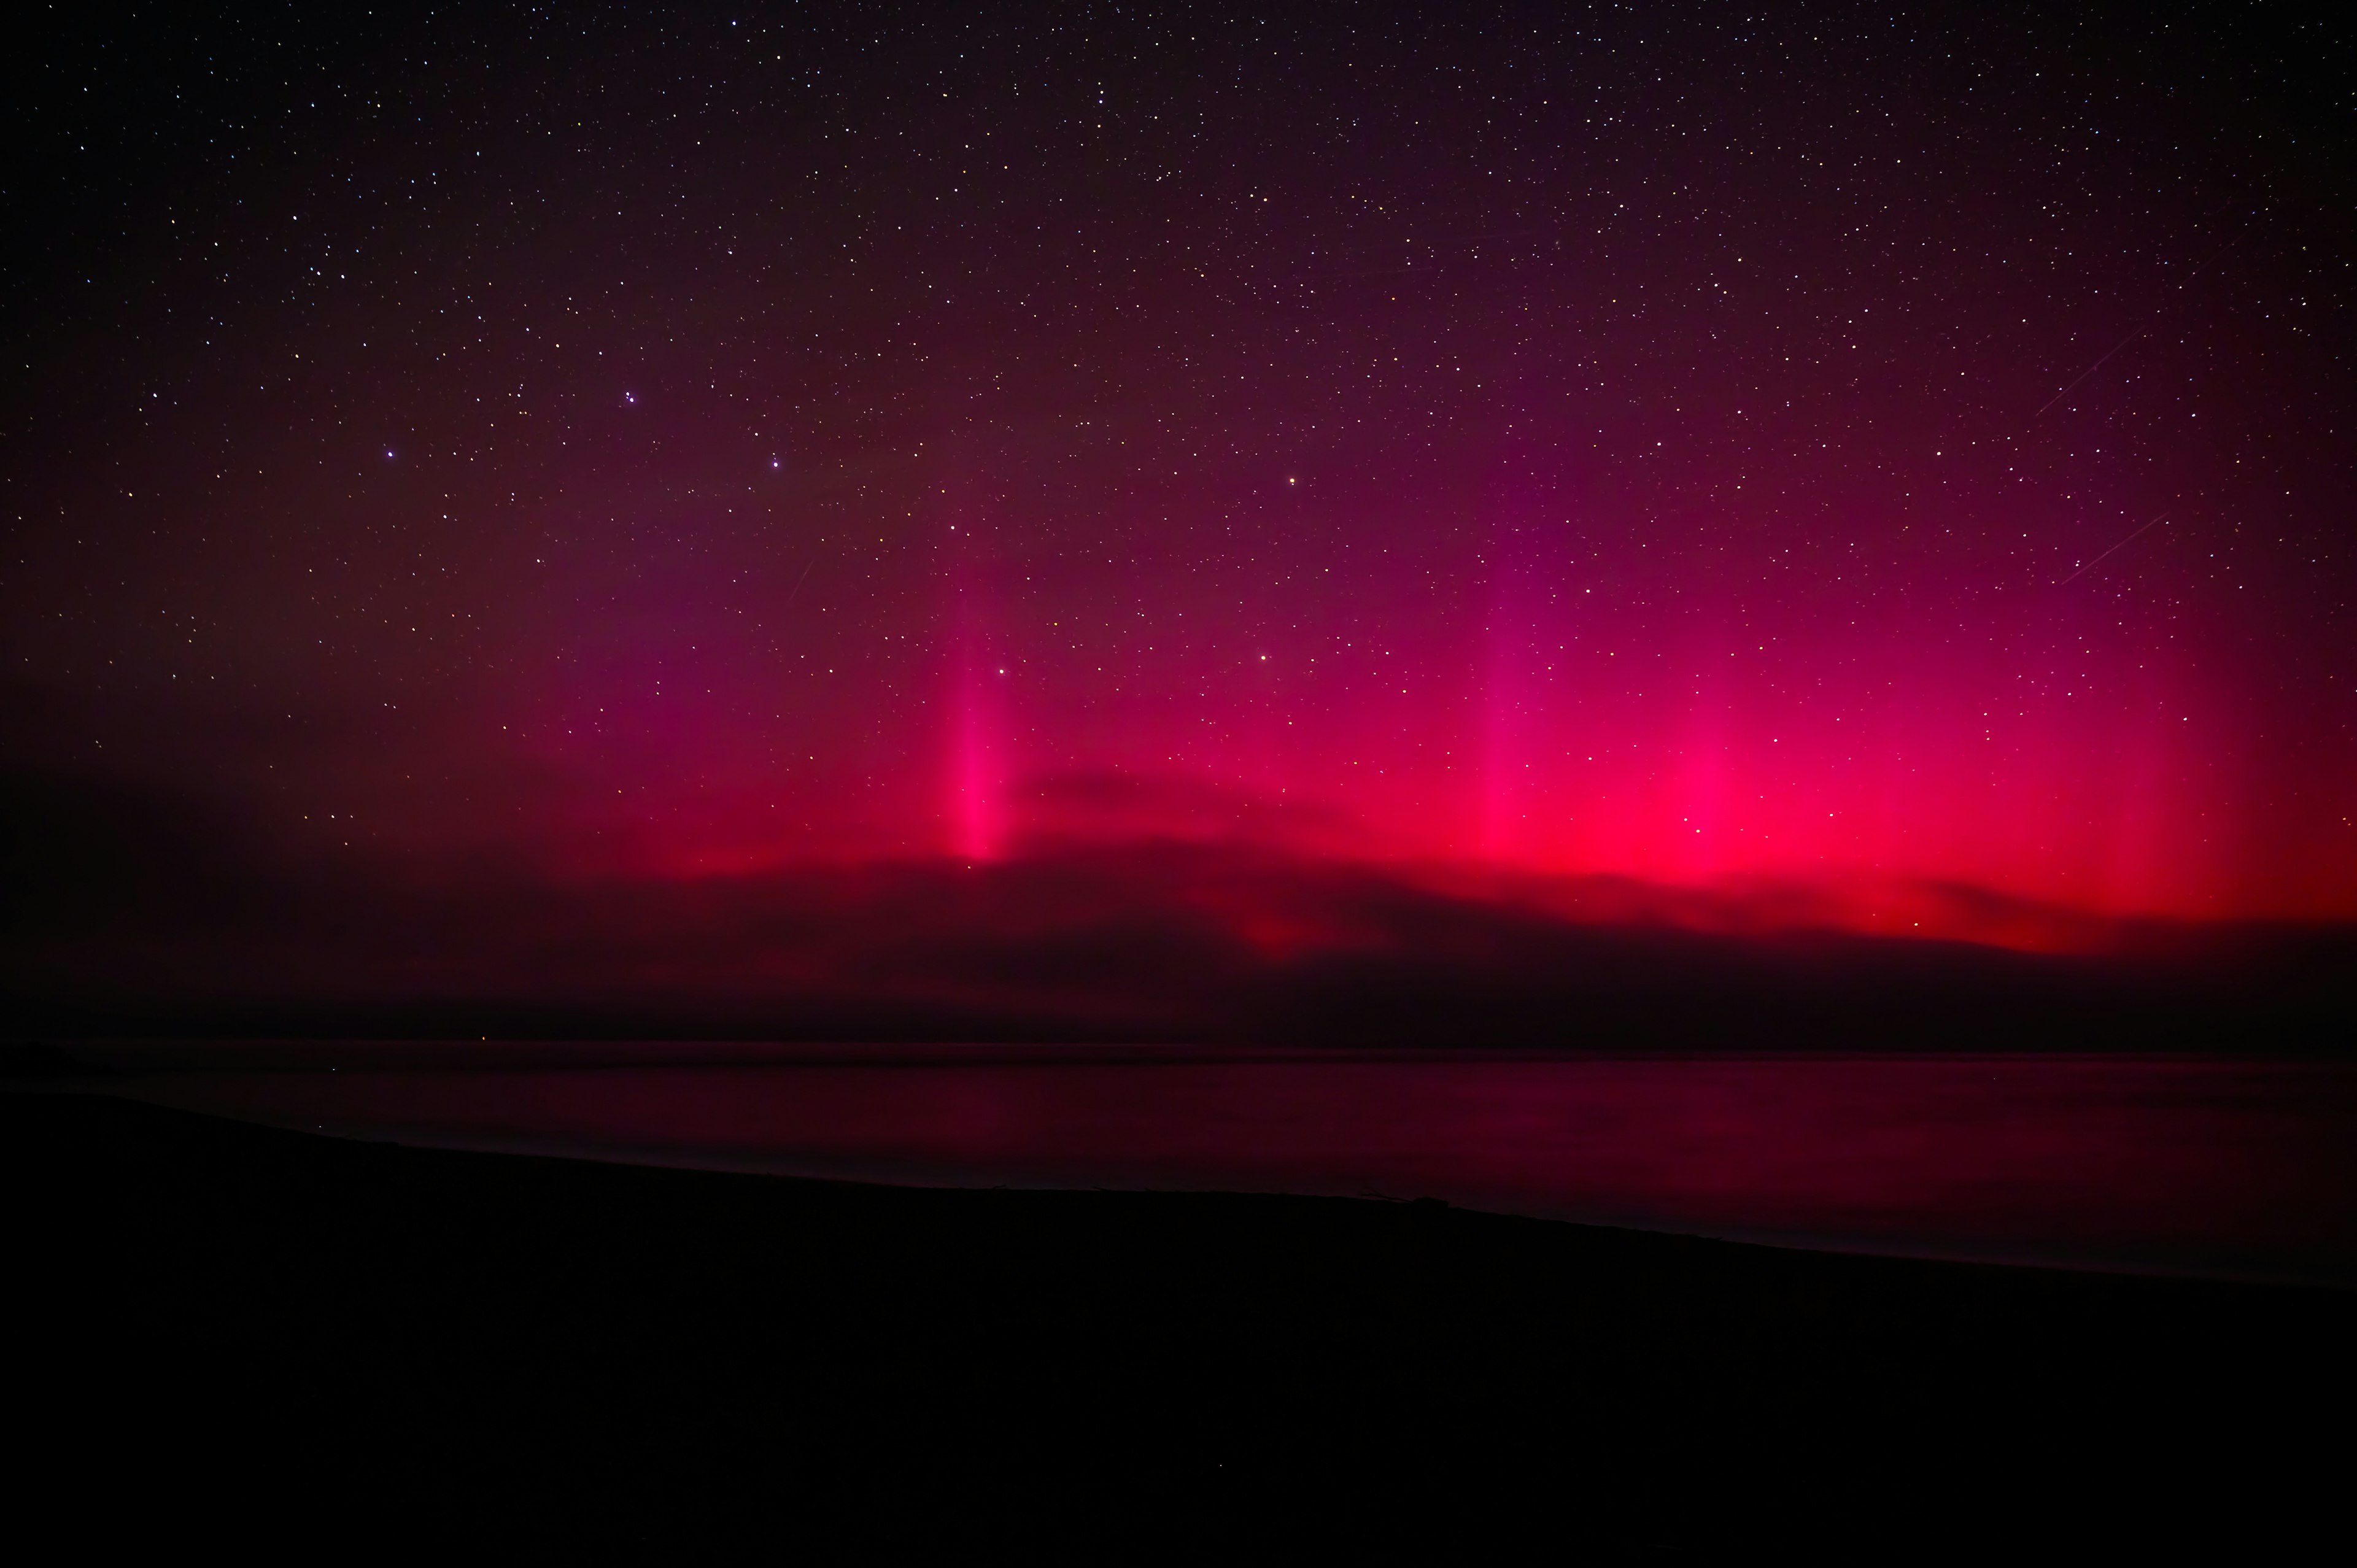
[[1826, 445]]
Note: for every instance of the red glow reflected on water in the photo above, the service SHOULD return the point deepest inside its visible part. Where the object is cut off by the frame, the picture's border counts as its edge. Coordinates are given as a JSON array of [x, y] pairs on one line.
[[2169, 1164]]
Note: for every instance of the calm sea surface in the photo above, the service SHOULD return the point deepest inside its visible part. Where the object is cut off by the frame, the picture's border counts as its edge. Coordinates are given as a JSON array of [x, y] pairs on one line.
[[2180, 1165]]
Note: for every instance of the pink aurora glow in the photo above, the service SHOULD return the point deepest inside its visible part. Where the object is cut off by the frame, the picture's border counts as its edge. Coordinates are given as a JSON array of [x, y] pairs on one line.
[[1532, 491]]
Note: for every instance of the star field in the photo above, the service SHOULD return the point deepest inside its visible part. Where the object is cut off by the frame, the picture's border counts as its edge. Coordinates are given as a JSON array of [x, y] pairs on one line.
[[1691, 443]]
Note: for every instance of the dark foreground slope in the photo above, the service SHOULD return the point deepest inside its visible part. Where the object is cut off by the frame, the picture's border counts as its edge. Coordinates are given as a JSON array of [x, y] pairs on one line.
[[223, 1333]]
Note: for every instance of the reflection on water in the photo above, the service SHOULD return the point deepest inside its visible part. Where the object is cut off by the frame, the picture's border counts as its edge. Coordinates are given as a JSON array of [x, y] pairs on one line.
[[2172, 1163]]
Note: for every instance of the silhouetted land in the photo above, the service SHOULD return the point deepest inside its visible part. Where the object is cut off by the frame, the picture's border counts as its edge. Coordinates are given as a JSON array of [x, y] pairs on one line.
[[231, 1335]]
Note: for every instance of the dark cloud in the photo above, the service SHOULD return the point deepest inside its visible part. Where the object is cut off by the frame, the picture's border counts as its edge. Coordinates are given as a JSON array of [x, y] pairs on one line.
[[136, 910]]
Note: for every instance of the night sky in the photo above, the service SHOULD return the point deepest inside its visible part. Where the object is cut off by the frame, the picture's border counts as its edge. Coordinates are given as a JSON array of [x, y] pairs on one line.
[[1808, 448]]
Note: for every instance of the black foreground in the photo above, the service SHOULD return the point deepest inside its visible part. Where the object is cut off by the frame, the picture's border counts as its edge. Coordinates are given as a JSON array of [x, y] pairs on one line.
[[234, 1336]]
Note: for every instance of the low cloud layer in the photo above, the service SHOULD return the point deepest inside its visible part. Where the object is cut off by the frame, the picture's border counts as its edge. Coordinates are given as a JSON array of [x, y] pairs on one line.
[[136, 911]]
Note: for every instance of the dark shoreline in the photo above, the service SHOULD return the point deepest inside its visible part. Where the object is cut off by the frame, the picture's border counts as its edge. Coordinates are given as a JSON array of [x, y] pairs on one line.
[[2218, 1168], [232, 1333]]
